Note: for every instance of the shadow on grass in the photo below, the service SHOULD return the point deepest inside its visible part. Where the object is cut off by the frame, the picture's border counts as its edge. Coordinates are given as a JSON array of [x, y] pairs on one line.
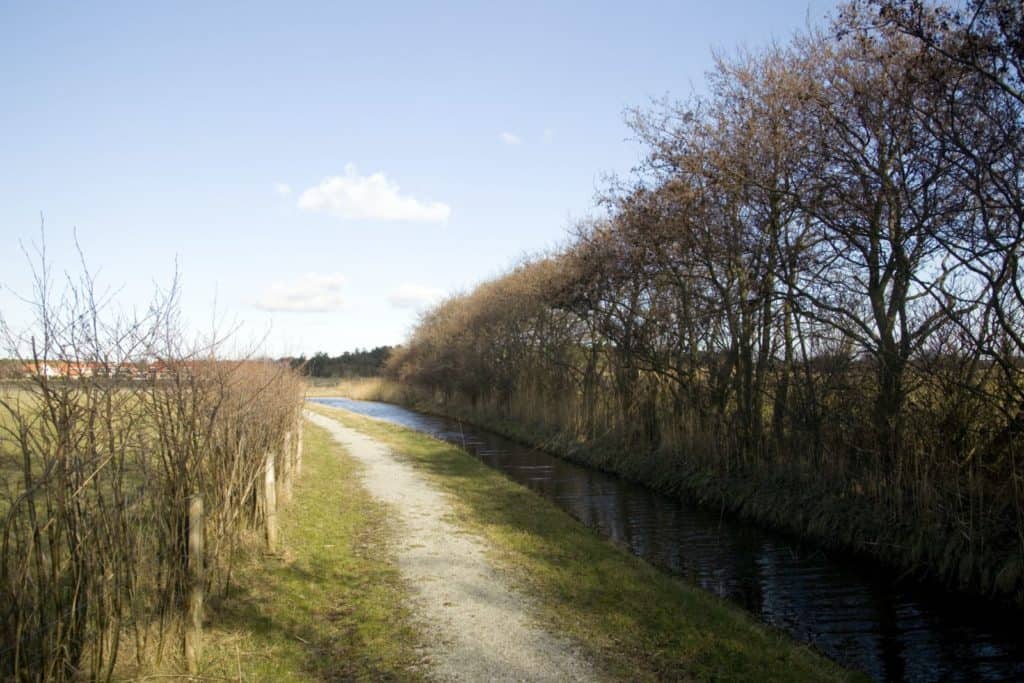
[[333, 606], [334, 646]]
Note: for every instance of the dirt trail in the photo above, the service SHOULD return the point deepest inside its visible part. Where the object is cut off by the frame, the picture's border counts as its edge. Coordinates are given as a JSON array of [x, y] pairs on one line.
[[478, 624]]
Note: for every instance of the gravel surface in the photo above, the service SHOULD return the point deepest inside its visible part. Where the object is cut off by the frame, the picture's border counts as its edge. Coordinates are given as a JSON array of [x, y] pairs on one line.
[[477, 624]]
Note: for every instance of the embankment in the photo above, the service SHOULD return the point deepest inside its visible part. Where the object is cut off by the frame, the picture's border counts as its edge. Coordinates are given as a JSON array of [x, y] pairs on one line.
[[773, 498], [631, 620]]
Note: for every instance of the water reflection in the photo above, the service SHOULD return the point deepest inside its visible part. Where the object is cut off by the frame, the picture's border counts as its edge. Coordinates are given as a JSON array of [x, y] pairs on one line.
[[853, 612]]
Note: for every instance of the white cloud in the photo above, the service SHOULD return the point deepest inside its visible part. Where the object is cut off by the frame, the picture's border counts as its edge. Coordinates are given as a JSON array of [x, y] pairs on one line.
[[283, 189], [548, 135], [414, 296], [309, 293], [374, 197], [510, 138]]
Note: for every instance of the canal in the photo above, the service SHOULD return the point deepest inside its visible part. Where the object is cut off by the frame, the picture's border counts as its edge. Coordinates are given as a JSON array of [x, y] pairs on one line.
[[860, 615]]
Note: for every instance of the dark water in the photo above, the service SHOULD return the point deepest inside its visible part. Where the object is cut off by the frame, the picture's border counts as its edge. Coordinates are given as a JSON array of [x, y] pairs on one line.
[[859, 615]]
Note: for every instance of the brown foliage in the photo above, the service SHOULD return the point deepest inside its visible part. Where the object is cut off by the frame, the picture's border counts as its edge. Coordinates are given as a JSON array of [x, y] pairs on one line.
[[815, 279]]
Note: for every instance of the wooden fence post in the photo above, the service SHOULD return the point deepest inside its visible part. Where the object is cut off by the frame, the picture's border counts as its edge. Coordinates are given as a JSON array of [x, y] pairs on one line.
[[194, 622], [270, 501], [298, 447], [286, 475]]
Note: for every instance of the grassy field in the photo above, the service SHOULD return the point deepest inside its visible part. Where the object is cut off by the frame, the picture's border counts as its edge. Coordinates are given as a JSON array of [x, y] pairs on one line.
[[330, 605], [635, 621]]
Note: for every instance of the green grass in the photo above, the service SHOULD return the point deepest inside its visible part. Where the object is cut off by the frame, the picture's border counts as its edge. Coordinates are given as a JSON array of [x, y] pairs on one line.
[[634, 621], [331, 604]]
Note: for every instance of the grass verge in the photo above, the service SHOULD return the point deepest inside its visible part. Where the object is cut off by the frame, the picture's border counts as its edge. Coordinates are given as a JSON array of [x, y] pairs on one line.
[[331, 604], [636, 622]]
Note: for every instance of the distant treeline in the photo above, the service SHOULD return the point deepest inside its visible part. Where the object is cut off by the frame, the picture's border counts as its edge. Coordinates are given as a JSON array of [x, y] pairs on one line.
[[807, 305], [358, 363]]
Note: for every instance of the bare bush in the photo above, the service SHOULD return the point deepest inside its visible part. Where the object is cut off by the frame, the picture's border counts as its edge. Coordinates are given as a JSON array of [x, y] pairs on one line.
[[116, 426]]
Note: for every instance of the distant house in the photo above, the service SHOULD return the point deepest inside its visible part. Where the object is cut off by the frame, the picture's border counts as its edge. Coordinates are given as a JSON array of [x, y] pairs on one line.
[[127, 370], [40, 369], [61, 368], [158, 370], [75, 369]]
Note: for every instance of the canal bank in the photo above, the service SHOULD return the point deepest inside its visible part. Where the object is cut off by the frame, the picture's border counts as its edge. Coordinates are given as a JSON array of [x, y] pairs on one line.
[[855, 612], [476, 626], [633, 621], [801, 505]]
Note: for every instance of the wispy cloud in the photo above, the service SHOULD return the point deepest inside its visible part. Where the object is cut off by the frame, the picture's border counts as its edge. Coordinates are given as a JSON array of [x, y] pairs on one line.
[[309, 293], [548, 135], [283, 189], [510, 138], [414, 296], [374, 197]]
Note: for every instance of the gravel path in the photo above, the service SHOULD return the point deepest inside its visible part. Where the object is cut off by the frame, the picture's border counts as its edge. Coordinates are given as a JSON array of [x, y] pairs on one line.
[[477, 622]]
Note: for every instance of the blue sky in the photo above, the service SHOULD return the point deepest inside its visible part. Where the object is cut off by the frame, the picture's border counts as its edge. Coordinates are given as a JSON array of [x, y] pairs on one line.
[[321, 170]]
